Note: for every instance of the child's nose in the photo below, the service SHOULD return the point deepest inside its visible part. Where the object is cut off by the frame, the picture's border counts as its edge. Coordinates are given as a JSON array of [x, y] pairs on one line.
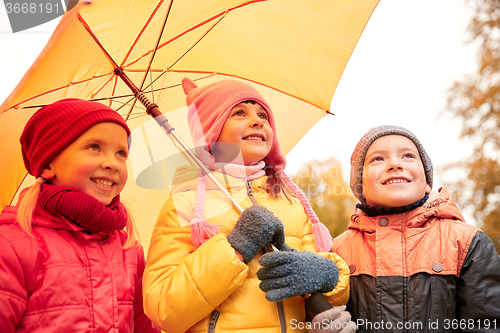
[[394, 164], [257, 121], [110, 163]]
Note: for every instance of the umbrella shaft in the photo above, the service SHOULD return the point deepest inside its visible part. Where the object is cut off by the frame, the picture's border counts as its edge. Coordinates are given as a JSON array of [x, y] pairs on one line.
[[154, 111], [209, 174]]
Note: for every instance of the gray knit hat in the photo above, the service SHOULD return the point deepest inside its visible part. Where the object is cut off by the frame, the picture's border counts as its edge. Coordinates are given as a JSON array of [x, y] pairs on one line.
[[359, 153]]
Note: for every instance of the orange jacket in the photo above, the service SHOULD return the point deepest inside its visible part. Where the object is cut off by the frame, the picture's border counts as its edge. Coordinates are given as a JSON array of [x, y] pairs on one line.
[[418, 268]]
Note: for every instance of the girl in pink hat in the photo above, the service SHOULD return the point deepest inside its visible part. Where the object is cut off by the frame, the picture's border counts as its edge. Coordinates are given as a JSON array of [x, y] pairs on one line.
[[69, 260], [206, 270]]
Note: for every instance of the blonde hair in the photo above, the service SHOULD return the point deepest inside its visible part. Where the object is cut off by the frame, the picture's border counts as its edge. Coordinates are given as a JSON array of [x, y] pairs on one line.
[[27, 207]]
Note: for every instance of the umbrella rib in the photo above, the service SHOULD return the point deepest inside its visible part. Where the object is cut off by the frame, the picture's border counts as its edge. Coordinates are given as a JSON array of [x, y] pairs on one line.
[[157, 44], [249, 80], [152, 57], [50, 91], [199, 40], [18, 189], [195, 27], [178, 59], [86, 26], [142, 30]]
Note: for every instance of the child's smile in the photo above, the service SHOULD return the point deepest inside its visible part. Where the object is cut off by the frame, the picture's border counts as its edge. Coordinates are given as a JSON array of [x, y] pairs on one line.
[[396, 181], [94, 164], [393, 173], [247, 129]]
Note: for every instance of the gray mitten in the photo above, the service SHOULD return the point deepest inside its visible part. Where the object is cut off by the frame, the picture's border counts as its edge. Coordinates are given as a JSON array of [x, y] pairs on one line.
[[335, 320], [256, 227], [288, 274]]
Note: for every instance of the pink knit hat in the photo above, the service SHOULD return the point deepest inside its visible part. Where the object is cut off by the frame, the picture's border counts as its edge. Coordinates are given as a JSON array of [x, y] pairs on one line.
[[55, 126], [213, 104]]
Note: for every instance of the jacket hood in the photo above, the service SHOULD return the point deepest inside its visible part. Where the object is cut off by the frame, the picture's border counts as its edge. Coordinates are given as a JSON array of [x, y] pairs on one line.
[[439, 205]]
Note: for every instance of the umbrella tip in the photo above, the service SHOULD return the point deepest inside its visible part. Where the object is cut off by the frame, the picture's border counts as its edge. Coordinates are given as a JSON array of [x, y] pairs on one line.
[[188, 85]]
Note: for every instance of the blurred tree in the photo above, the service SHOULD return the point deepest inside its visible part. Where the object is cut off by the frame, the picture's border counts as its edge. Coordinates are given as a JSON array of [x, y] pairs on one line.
[[476, 101], [329, 194]]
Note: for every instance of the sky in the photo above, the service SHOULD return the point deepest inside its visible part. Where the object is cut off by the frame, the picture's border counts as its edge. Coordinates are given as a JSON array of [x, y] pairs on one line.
[[407, 58]]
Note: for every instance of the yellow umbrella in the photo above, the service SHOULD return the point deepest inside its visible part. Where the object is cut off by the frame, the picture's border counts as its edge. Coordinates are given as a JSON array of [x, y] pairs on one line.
[[292, 51]]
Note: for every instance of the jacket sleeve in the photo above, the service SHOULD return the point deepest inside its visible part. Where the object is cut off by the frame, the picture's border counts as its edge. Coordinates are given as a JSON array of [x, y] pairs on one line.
[[340, 294], [478, 286], [184, 284], [142, 324], [13, 293]]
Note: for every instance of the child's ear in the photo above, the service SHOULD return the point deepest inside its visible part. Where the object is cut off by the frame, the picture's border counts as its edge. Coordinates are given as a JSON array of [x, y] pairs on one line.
[[428, 189], [47, 173]]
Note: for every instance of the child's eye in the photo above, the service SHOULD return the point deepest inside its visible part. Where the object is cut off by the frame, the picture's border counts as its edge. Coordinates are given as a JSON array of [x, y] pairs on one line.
[[408, 155], [376, 159], [263, 115], [94, 147], [239, 113], [122, 153]]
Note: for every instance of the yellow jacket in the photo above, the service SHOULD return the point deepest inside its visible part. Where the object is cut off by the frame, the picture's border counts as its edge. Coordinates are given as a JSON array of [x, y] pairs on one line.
[[184, 285]]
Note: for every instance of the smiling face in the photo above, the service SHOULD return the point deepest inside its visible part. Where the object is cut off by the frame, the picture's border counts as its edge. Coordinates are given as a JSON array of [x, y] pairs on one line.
[[393, 173], [94, 164], [247, 127]]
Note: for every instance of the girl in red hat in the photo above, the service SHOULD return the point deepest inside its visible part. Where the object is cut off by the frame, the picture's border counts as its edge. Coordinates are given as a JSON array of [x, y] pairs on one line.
[[69, 259], [205, 269]]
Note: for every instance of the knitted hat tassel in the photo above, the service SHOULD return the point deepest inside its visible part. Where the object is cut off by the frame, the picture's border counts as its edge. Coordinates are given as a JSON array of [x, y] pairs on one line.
[[323, 239], [201, 230]]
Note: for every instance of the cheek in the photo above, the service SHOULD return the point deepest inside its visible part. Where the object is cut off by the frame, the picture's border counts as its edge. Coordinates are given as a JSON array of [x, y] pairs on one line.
[[367, 176], [125, 175], [124, 172], [270, 136]]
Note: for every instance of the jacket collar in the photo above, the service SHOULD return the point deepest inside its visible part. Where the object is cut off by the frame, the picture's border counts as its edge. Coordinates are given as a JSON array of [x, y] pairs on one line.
[[438, 205]]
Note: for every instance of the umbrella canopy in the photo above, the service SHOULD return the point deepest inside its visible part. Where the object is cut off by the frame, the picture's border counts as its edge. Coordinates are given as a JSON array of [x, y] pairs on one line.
[[292, 51]]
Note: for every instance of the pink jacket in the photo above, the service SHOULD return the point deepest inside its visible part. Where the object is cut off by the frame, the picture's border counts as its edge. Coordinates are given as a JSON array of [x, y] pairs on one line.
[[68, 279]]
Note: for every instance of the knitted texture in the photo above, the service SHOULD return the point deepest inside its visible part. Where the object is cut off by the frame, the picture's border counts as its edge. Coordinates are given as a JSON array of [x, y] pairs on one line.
[[256, 227], [335, 320], [55, 126], [202, 230], [213, 104], [322, 236], [83, 209], [376, 211], [359, 154], [289, 274]]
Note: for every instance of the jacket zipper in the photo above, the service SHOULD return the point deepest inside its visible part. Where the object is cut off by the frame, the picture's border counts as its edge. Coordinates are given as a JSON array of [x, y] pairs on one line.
[[250, 193], [213, 321], [281, 309]]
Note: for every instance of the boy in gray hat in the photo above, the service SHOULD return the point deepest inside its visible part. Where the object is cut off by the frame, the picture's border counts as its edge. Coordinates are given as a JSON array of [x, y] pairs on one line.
[[415, 265]]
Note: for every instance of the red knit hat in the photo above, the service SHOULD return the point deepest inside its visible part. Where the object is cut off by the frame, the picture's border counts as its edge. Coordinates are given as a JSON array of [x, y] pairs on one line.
[[213, 103], [55, 126]]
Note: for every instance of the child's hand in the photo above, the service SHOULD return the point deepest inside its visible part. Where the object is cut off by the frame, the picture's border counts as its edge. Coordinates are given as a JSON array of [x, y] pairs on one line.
[[288, 274], [256, 228], [335, 320]]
